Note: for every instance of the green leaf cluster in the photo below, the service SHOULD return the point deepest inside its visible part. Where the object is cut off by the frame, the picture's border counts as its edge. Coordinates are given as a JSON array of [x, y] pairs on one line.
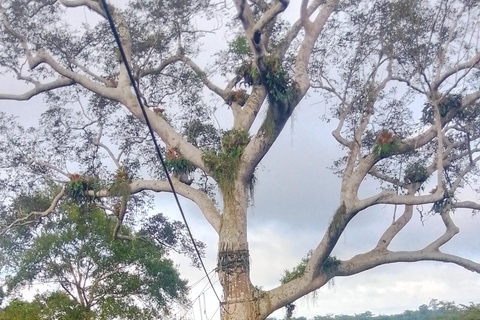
[[120, 185], [447, 103], [248, 71], [180, 165], [224, 164], [238, 46], [329, 265], [297, 271], [277, 82], [385, 149], [78, 186], [29, 203], [415, 173], [56, 305]]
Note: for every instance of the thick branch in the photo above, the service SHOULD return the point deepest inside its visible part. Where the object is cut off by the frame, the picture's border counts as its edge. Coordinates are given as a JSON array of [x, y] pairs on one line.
[[197, 196], [466, 205], [245, 14], [157, 70], [270, 15], [450, 231], [372, 259], [166, 132], [308, 43], [110, 93], [38, 89], [91, 4], [297, 26], [395, 228]]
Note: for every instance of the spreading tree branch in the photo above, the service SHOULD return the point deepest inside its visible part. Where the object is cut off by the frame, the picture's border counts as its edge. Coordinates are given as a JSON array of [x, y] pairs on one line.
[[26, 219]]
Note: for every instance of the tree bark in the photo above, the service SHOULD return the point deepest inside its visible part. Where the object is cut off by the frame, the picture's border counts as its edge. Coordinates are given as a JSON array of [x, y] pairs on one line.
[[233, 257]]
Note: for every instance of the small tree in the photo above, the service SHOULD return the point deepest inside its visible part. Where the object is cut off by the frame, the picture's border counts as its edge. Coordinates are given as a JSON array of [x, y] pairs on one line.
[[375, 62], [95, 276]]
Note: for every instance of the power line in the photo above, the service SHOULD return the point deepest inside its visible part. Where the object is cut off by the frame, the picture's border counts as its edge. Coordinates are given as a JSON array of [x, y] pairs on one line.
[[157, 148]]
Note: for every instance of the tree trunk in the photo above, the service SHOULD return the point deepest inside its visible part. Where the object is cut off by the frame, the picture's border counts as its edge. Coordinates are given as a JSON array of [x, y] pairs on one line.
[[233, 258]]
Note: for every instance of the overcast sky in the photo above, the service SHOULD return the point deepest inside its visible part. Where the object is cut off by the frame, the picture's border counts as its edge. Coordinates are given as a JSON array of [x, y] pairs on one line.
[[295, 197]]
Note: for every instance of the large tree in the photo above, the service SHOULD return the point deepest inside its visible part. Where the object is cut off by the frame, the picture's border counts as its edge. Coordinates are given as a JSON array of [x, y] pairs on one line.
[[401, 79]]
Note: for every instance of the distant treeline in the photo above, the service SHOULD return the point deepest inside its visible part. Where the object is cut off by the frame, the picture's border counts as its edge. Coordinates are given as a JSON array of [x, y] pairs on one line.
[[435, 310]]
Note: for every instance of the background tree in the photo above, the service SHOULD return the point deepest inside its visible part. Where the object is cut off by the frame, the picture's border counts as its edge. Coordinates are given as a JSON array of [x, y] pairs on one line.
[[19, 310], [436, 310], [96, 277], [54, 305], [375, 62]]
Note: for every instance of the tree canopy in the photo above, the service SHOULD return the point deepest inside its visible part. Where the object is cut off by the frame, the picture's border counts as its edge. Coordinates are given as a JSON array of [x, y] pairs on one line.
[[93, 276], [400, 79]]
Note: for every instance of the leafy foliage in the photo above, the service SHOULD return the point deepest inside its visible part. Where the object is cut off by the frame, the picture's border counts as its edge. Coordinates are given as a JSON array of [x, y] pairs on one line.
[[224, 164], [20, 310], [177, 164], [415, 173], [78, 186], [329, 265], [277, 82], [386, 144], [446, 104], [77, 251], [55, 305], [120, 185]]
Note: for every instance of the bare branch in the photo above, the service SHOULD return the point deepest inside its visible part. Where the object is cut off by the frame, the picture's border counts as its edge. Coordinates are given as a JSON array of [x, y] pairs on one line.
[[394, 181], [450, 231], [395, 228], [27, 217], [389, 197], [296, 27], [157, 70], [91, 4], [410, 84], [466, 205], [245, 14], [116, 160], [222, 93], [308, 43], [43, 57], [471, 98], [270, 15], [372, 259], [47, 165], [304, 16], [38, 89], [122, 210], [468, 65]]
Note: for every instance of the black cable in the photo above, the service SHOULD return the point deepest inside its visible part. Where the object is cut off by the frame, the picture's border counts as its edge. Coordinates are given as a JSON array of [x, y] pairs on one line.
[[157, 148]]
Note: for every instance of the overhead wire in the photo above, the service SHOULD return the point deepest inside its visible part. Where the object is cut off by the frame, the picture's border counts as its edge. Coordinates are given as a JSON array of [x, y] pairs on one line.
[[157, 148]]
